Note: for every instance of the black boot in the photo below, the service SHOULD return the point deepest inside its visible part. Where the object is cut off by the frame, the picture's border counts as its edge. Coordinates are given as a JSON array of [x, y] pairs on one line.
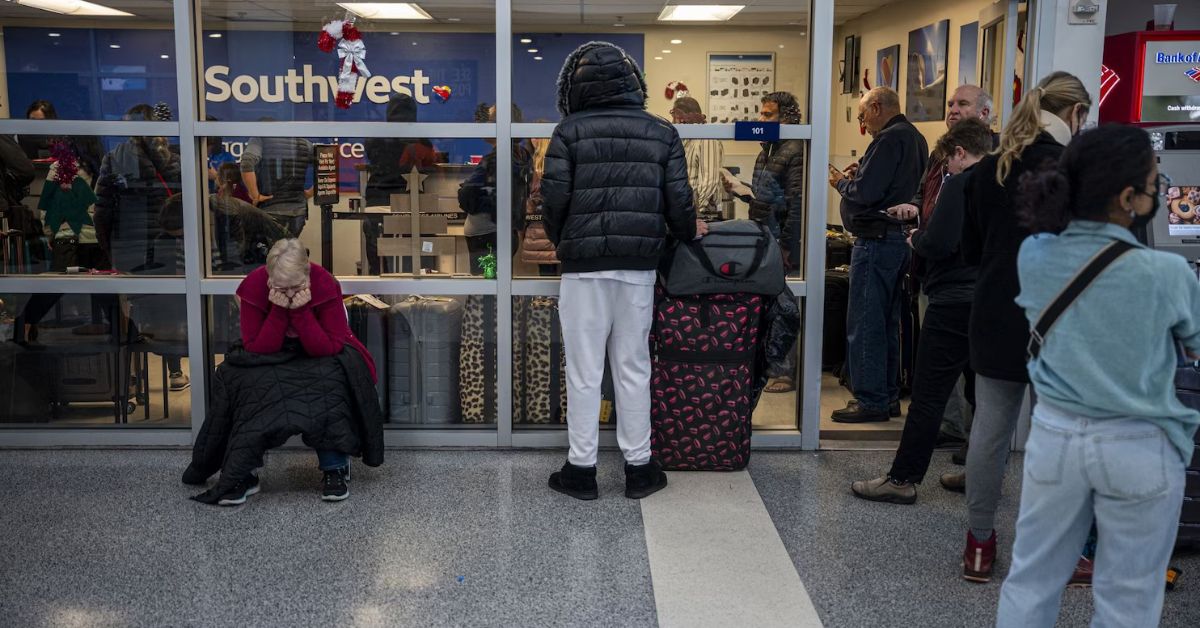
[[644, 479], [578, 482]]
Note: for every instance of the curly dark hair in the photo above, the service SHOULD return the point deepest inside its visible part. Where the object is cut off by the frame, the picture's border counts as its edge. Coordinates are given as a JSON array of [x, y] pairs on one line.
[[789, 107]]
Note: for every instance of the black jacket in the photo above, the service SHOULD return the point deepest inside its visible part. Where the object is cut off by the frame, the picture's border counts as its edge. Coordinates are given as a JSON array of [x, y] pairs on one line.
[[778, 187], [948, 279], [615, 181], [384, 153], [258, 402], [991, 239], [16, 173], [136, 178], [889, 174]]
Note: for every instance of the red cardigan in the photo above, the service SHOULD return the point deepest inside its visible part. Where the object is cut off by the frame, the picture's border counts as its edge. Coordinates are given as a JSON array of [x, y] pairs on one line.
[[320, 324]]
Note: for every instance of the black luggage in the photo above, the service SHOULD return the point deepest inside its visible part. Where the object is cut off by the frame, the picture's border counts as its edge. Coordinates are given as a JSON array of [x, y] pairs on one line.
[[1187, 388], [368, 318], [838, 246], [837, 303]]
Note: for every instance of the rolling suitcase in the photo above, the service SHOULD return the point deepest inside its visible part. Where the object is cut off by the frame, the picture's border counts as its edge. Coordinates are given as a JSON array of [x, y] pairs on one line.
[[368, 318], [477, 366], [703, 352], [1187, 388], [539, 364], [426, 334], [837, 302]]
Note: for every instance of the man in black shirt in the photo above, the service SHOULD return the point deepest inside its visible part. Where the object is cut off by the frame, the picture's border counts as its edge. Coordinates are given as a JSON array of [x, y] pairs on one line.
[[888, 175]]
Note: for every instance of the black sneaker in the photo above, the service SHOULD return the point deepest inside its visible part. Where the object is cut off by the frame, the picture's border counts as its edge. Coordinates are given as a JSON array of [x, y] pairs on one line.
[[240, 492], [334, 482], [644, 479], [578, 482]]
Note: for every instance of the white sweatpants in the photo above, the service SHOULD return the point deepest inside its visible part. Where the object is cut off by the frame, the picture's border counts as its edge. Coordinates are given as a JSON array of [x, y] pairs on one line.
[[599, 314]]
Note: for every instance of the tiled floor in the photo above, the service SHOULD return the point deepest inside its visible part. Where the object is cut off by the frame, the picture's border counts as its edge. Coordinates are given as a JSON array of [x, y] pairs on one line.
[[456, 538]]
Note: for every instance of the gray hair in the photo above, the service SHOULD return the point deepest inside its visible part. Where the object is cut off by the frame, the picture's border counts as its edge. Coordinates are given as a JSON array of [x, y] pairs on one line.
[[287, 263], [887, 98], [983, 100]]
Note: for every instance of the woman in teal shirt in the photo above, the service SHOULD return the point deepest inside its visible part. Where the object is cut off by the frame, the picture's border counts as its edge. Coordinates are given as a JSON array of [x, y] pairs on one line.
[[1110, 439]]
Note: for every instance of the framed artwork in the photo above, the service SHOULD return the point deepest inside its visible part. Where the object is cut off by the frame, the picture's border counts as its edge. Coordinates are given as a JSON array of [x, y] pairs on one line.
[[850, 65], [887, 67], [925, 84], [968, 54], [736, 84]]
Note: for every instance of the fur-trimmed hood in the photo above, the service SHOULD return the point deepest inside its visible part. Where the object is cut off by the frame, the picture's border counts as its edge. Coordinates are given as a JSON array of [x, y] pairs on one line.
[[600, 75]]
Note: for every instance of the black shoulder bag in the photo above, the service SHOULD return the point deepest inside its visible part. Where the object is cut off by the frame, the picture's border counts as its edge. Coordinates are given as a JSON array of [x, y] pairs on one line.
[[1078, 284]]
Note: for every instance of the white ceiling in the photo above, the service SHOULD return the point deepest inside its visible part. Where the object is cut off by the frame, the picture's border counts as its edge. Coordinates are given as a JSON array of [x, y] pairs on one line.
[[526, 13]]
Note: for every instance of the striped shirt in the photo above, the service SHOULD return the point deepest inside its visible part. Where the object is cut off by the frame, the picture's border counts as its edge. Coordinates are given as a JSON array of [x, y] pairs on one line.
[[704, 159]]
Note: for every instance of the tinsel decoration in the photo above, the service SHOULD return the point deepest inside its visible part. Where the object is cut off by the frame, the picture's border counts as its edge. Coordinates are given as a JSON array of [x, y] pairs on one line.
[[488, 264], [343, 36], [67, 163]]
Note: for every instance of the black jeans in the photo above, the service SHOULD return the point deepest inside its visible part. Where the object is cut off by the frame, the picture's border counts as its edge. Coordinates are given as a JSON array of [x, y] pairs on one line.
[[942, 355]]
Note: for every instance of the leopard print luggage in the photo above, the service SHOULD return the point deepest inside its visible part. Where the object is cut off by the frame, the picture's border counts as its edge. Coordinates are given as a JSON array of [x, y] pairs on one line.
[[703, 353], [539, 364], [477, 366]]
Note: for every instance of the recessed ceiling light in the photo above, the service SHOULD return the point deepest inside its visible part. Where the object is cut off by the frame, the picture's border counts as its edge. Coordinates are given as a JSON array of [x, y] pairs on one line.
[[677, 41], [386, 10], [77, 8], [526, 40], [114, 46], [414, 43], [56, 34], [658, 58], [537, 58], [393, 33], [781, 45], [533, 50], [699, 12], [215, 35], [618, 24], [803, 33], [454, 19], [164, 56], [666, 52]]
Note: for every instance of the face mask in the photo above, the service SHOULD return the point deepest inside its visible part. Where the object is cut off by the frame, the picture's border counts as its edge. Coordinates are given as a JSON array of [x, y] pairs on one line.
[[1141, 220]]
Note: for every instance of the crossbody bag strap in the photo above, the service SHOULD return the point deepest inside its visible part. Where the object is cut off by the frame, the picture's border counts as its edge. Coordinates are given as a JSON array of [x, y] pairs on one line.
[[1078, 284]]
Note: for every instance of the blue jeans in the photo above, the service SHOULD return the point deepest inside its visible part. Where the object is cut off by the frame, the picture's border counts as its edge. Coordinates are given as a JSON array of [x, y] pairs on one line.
[[328, 459], [877, 267], [1125, 473]]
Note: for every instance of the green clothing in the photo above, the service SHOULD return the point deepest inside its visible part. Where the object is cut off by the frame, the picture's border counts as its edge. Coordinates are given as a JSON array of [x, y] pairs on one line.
[[67, 208]]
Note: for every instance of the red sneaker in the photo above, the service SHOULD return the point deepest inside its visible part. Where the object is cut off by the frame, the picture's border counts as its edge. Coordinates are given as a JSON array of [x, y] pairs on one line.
[[978, 558], [1082, 578]]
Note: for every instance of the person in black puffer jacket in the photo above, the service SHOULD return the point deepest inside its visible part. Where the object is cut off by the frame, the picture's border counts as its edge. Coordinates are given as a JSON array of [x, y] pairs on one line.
[[615, 184]]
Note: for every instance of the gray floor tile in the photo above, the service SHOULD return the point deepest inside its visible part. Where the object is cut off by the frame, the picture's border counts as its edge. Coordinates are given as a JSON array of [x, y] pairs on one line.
[[434, 538], [870, 564]]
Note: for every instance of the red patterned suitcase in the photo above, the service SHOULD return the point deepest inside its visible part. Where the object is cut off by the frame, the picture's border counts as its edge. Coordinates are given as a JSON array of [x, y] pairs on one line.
[[703, 351]]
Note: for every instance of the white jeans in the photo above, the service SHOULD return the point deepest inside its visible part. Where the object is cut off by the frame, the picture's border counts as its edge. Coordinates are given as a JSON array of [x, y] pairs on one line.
[[1127, 475], [599, 315]]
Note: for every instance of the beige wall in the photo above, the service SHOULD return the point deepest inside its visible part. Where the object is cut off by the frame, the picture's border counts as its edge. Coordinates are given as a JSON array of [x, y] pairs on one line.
[[879, 29]]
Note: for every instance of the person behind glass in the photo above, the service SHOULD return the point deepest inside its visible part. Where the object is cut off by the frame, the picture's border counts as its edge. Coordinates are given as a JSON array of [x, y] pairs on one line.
[[704, 160], [38, 146], [1109, 439], [950, 286], [615, 184], [1046, 119], [386, 174], [887, 175], [776, 199], [293, 298], [477, 196], [135, 180], [275, 171], [536, 247], [239, 222], [968, 102]]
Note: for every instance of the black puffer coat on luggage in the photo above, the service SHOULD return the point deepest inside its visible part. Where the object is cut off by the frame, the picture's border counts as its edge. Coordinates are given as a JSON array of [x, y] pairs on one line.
[[259, 401], [615, 181]]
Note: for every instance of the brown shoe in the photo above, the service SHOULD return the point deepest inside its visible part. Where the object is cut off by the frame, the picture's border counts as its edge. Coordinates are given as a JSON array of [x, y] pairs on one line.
[[956, 482], [884, 489], [978, 558], [1082, 578]]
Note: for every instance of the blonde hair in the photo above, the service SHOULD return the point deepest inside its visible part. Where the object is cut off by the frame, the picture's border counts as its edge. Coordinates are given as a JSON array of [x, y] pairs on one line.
[[541, 146], [1056, 93], [287, 263]]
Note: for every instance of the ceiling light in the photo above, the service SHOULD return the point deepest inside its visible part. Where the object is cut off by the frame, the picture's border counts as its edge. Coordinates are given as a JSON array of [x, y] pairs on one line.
[[393, 33], [699, 12], [386, 10], [56, 34], [781, 45], [666, 52], [526, 40], [537, 58], [454, 19], [414, 43], [164, 56], [214, 35], [658, 58], [73, 7], [533, 50], [114, 46], [677, 41]]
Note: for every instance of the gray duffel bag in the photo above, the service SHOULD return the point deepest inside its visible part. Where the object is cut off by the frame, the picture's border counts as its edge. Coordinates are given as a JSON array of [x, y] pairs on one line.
[[735, 256]]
